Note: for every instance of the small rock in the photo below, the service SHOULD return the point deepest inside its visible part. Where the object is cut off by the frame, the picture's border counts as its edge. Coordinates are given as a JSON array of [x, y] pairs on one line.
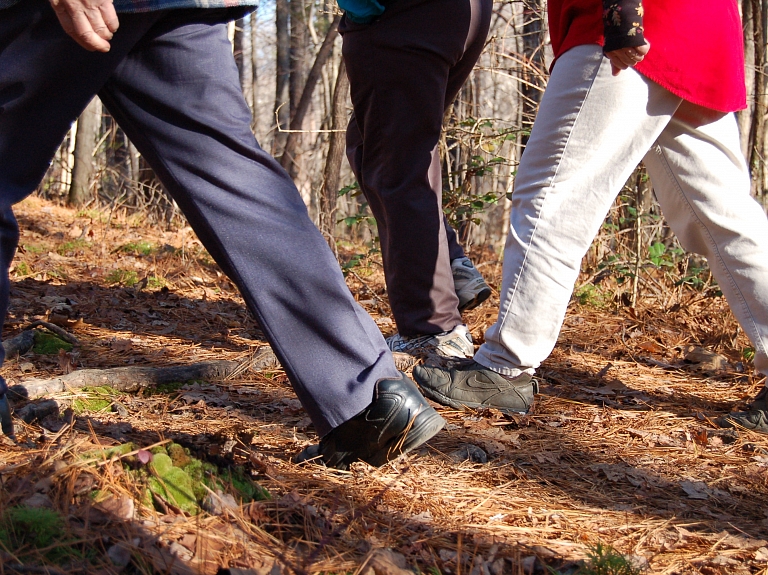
[[180, 551], [386, 562], [119, 555], [121, 508], [217, 503], [639, 562], [38, 501], [26, 366], [705, 360], [119, 409], [469, 452]]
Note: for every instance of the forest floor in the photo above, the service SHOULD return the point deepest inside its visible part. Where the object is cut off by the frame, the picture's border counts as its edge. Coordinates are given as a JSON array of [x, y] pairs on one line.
[[620, 450]]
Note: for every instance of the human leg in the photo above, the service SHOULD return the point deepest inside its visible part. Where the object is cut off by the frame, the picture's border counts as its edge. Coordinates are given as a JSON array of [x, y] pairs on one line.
[[701, 181], [177, 96], [399, 69], [46, 80], [702, 184], [591, 131]]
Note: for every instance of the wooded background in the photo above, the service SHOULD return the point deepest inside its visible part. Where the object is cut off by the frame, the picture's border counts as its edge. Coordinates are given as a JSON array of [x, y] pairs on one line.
[[289, 57]]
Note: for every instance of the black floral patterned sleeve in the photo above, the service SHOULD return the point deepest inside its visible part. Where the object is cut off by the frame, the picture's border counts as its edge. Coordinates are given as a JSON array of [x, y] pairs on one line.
[[623, 21]]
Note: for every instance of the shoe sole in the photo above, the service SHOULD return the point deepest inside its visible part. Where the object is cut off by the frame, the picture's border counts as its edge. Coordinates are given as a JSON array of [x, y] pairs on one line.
[[479, 298], [424, 427], [445, 400], [732, 423]]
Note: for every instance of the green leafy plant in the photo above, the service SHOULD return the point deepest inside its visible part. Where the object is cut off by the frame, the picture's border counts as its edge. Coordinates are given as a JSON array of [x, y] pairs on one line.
[[72, 247], [34, 248], [22, 269], [605, 560], [127, 278], [156, 282], [591, 295], [141, 247]]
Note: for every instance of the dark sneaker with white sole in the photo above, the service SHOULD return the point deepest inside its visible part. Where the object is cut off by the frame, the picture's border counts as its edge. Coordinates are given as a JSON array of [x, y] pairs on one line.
[[469, 284], [755, 419], [475, 386], [398, 420]]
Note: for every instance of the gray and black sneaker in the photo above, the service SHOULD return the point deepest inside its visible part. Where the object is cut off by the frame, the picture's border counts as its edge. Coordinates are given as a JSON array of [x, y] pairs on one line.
[[456, 343], [473, 385], [755, 419], [469, 284]]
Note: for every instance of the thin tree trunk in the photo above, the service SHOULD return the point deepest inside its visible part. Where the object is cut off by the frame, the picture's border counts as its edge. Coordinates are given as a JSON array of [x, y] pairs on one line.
[[328, 191], [287, 159], [744, 116], [238, 49], [534, 58], [282, 73], [254, 65], [85, 143], [299, 52], [757, 135]]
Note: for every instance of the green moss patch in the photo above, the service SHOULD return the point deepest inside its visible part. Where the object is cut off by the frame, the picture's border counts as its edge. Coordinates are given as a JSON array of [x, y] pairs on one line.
[[94, 399], [47, 343], [184, 481], [25, 530]]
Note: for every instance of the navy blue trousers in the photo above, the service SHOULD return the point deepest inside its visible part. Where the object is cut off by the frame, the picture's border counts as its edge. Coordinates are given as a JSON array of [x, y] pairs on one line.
[[171, 83]]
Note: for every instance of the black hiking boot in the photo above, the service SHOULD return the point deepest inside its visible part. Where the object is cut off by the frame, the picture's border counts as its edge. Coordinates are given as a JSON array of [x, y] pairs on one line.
[[476, 386], [755, 419], [398, 420]]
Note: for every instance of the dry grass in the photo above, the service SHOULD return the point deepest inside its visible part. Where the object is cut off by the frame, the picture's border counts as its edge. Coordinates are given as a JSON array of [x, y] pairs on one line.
[[620, 448]]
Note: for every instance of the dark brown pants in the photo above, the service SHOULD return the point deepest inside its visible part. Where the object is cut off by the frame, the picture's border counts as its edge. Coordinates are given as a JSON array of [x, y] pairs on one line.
[[405, 69]]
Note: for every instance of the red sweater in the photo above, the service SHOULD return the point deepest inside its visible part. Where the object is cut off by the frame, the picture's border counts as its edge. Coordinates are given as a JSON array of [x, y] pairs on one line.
[[696, 51]]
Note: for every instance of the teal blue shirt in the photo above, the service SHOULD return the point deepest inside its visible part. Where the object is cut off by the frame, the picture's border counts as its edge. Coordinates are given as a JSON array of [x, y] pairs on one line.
[[361, 11]]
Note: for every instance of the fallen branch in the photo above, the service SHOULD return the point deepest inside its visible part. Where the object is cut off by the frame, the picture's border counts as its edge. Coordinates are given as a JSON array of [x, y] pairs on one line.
[[62, 333], [23, 342], [123, 378], [20, 344]]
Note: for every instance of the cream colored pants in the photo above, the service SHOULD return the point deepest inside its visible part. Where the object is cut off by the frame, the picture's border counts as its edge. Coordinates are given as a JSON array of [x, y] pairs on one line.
[[591, 132]]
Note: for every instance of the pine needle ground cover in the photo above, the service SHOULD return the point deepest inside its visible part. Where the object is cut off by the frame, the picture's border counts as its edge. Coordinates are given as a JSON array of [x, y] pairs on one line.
[[619, 468]]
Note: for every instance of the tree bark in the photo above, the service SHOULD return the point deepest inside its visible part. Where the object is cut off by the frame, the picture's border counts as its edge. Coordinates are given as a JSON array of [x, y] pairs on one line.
[[532, 86], [282, 73], [744, 116], [287, 159], [134, 378], [299, 52], [254, 65], [238, 51], [757, 133], [85, 144], [336, 145]]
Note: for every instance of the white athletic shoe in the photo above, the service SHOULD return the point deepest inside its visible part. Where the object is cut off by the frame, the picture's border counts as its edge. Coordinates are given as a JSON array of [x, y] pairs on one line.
[[456, 343], [469, 284]]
